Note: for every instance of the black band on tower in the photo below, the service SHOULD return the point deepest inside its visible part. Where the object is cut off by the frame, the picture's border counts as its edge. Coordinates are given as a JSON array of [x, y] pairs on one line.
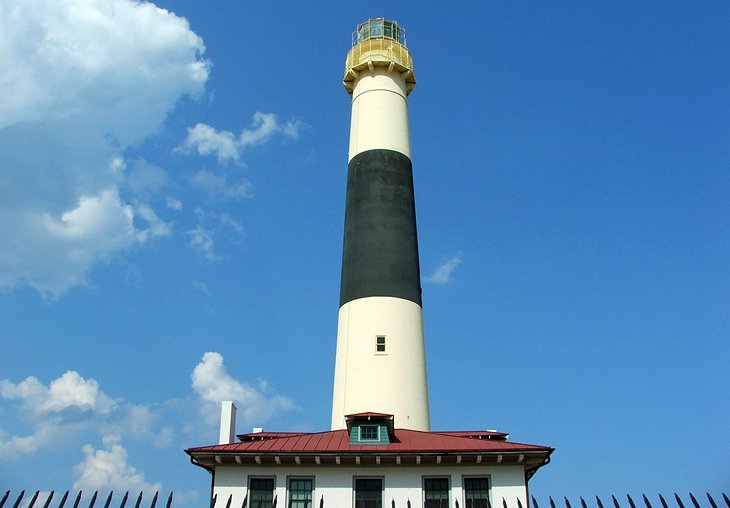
[[380, 255]]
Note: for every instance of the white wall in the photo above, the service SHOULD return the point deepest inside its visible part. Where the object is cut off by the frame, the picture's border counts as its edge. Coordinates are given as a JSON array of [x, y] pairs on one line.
[[400, 483], [392, 383]]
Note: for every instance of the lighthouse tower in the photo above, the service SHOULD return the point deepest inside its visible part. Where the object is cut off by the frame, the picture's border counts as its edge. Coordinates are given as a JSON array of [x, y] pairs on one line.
[[380, 363]]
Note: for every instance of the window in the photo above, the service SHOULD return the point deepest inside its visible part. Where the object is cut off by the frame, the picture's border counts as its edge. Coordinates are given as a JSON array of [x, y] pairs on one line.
[[300, 493], [368, 493], [435, 493], [369, 432], [380, 344], [261, 492], [476, 492]]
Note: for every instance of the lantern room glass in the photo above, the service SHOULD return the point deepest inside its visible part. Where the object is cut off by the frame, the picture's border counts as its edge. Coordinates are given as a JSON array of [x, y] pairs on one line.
[[379, 28]]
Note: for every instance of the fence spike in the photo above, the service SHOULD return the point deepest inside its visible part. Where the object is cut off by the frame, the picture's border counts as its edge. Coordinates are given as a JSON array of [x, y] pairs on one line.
[[78, 499], [646, 501], [169, 501], [5, 498], [63, 500], [519, 503], [552, 503], [93, 499], [567, 503], [245, 501], [583, 503], [230, 498], [679, 501], [615, 501], [213, 501], [154, 499], [631, 501], [727, 501], [108, 499], [504, 503], [664, 503], [694, 501], [276, 499], [457, 503], [124, 499], [20, 498], [48, 500], [321, 501], [534, 502], [598, 502], [709, 498], [139, 500], [33, 499]]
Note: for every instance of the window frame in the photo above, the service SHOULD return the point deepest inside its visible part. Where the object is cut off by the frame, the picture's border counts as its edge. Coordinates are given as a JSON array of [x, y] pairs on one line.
[[381, 479], [289, 500], [486, 477], [368, 439], [379, 344], [252, 478], [424, 479]]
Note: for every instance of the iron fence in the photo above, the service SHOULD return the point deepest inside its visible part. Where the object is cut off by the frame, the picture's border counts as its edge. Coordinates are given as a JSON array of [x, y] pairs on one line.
[[46, 500]]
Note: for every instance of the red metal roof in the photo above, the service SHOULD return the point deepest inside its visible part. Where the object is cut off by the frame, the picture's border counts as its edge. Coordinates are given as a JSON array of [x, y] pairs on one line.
[[337, 441]]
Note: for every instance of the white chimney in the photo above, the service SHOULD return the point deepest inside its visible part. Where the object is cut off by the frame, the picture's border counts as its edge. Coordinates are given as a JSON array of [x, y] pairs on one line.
[[228, 422]]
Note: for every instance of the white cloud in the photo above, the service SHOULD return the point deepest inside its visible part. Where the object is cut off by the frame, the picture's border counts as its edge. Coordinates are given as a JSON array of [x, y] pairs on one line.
[[81, 82], [157, 228], [202, 237], [201, 241], [173, 204], [145, 179], [71, 406], [217, 186], [68, 391], [207, 140], [442, 274], [212, 383], [109, 469], [226, 146]]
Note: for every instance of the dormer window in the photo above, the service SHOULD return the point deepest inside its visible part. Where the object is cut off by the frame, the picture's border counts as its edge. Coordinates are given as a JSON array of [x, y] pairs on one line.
[[370, 429], [369, 432]]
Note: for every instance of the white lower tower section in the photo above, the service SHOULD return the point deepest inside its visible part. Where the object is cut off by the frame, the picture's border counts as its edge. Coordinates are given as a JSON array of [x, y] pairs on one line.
[[393, 382], [380, 363]]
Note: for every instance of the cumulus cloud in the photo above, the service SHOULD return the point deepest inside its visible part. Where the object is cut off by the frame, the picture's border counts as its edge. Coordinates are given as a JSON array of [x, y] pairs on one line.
[[81, 82], [109, 469], [212, 383], [72, 405], [70, 391], [442, 274], [226, 146]]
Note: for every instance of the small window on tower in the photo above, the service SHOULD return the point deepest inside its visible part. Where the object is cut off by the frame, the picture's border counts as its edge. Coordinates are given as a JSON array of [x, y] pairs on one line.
[[380, 344]]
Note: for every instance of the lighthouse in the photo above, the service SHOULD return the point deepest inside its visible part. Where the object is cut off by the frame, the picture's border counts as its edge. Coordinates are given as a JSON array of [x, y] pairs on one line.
[[380, 363], [380, 450]]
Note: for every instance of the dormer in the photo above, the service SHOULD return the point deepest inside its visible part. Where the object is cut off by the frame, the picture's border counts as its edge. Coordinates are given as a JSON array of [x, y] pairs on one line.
[[370, 428]]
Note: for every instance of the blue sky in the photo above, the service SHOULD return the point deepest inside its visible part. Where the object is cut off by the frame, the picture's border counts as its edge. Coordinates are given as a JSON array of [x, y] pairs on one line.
[[172, 189]]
